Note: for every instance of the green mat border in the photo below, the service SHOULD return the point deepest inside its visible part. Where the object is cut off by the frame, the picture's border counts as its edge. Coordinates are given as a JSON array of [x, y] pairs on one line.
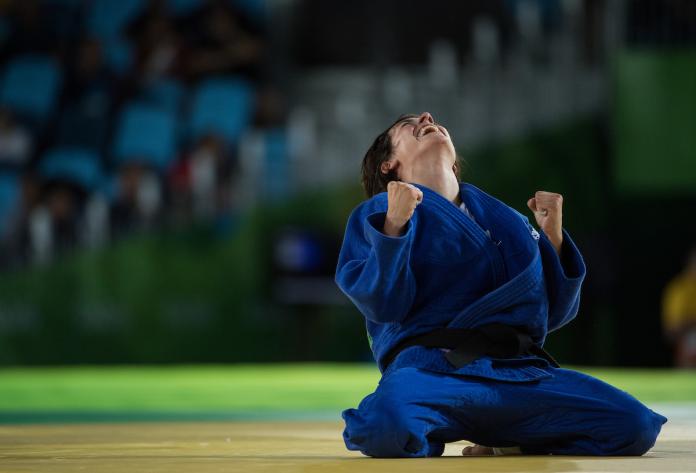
[[80, 417]]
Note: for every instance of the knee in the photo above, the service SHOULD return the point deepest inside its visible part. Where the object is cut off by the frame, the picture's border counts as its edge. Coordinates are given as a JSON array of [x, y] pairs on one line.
[[382, 432], [639, 431]]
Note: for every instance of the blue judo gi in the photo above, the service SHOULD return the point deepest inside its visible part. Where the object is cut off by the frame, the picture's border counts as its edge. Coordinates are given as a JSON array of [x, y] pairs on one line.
[[447, 271]]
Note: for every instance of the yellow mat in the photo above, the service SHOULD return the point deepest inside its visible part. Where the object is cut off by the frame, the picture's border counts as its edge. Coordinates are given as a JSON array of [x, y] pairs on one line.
[[282, 447]]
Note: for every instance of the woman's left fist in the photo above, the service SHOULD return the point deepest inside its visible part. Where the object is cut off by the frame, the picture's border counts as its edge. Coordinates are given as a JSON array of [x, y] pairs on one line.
[[548, 212]]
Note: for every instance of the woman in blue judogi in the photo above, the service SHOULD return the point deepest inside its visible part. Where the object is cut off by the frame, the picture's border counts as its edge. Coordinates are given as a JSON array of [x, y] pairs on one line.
[[459, 292]]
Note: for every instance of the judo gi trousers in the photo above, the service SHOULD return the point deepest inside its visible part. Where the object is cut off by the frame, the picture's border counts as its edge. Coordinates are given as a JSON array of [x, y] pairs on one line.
[[414, 412]]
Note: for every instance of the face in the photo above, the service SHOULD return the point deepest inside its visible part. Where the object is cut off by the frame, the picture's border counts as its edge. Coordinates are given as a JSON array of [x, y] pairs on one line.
[[420, 145]]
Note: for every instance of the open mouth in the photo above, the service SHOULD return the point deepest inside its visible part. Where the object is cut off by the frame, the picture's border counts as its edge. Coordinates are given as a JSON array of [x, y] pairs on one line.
[[426, 130]]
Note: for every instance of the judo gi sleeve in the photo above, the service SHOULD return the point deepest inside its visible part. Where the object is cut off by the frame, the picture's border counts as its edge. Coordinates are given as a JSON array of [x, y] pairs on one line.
[[374, 269], [564, 274]]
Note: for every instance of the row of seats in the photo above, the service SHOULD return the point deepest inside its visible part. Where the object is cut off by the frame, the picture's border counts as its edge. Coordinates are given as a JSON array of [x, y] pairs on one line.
[[148, 129], [84, 168]]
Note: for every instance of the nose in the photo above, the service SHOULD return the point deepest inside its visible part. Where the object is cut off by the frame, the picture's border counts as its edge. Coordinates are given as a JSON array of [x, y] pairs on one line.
[[425, 117]]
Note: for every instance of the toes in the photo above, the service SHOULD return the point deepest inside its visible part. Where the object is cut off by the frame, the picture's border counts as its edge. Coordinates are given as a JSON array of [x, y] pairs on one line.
[[477, 450]]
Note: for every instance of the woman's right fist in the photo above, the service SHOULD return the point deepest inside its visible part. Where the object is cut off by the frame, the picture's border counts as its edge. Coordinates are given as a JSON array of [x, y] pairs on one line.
[[402, 198]]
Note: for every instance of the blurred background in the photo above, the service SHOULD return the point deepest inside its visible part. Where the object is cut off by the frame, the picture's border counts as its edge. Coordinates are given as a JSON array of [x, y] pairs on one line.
[[175, 175]]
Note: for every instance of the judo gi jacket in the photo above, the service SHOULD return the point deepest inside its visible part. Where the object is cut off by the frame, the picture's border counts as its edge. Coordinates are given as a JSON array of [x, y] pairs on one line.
[[446, 270]]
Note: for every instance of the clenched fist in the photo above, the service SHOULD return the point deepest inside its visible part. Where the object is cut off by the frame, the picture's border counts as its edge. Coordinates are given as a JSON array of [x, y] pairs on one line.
[[402, 201], [548, 212]]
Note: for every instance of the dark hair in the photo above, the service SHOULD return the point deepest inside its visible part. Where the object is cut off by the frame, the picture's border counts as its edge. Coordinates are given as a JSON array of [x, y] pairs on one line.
[[372, 178]]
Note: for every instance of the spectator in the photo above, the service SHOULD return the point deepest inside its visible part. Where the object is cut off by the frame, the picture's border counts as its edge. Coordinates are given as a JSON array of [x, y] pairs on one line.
[[16, 143], [201, 183], [679, 313], [54, 224], [223, 42], [270, 108], [159, 45], [158, 51], [15, 238], [91, 96], [90, 80], [138, 199]]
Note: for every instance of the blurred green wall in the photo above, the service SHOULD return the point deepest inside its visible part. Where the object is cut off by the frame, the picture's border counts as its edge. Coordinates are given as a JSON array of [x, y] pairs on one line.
[[655, 121], [180, 296]]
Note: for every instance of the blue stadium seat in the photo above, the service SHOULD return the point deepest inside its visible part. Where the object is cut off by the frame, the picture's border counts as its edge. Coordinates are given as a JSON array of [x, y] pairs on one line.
[[77, 166], [167, 94], [277, 163], [9, 200], [29, 87], [147, 135], [108, 18], [223, 106]]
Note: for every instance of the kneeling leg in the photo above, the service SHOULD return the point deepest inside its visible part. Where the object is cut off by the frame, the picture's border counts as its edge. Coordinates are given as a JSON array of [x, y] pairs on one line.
[[576, 414], [409, 415]]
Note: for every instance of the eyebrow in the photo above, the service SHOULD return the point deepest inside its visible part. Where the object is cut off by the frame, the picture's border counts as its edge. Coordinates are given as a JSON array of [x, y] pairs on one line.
[[401, 121], [404, 120]]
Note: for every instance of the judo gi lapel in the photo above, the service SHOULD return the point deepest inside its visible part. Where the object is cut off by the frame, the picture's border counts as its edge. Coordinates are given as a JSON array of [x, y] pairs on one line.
[[437, 203], [490, 213]]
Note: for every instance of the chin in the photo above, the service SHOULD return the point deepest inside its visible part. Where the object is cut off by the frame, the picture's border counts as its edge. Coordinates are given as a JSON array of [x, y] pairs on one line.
[[441, 142]]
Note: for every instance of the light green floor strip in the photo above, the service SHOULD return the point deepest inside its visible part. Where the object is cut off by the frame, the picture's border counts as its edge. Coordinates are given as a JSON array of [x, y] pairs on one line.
[[231, 392]]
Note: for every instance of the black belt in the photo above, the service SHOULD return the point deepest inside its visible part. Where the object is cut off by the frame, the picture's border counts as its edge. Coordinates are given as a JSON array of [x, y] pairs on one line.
[[466, 345]]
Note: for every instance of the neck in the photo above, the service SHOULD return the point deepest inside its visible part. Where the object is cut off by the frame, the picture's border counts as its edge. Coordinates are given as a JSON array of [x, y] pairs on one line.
[[442, 180]]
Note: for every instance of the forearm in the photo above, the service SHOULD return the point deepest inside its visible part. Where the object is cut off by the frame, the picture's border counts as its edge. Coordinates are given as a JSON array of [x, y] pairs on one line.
[[556, 240], [393, 228]]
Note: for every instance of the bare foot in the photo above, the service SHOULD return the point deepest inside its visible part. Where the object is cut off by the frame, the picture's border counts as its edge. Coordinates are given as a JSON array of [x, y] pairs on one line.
[[476, 450]]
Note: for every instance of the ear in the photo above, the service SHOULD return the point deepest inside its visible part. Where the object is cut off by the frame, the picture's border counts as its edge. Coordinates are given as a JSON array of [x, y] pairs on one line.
[[385, 167]]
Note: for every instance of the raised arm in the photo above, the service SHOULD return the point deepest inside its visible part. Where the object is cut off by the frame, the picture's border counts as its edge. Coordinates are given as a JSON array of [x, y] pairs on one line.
[[374, 264], [564, 268]]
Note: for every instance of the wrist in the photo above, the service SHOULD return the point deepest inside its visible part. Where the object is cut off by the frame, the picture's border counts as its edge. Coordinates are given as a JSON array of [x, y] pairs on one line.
[[393, 227], [556, 242]]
